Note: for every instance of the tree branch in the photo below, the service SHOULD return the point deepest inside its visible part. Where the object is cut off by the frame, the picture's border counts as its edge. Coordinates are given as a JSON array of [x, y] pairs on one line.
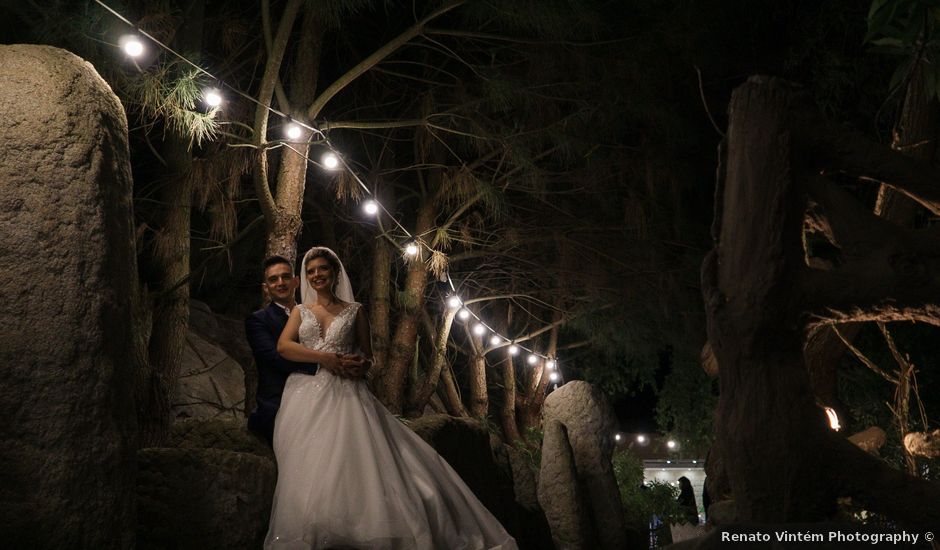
[[314, 110], [268, 81], [855, 154]]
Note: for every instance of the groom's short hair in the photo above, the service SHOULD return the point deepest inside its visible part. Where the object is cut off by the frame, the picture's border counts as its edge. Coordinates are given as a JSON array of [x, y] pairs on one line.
[[274, 260]]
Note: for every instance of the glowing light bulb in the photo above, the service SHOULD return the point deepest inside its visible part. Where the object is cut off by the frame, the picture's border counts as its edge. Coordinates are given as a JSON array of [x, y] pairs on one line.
[[479, 329], [513, 350], [293, 131], [464, 314], [553, 377], [132, 45], [212, 98], [370, 207], [641, 438], [411, 249], [453, 301], [495, 340], [330, 161], [671, 444], [550, 364], [616, 437], [532, 359]]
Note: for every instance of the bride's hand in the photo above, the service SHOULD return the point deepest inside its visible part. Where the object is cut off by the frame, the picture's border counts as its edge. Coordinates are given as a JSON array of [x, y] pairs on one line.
[[355, 366], [333, 363]]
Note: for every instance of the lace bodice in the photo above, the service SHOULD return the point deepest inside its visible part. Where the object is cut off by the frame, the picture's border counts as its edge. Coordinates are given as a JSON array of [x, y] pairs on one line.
[[339, 337]]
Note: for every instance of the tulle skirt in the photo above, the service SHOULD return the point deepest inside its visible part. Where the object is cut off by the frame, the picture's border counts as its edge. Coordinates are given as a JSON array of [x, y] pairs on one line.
[[350, 475]]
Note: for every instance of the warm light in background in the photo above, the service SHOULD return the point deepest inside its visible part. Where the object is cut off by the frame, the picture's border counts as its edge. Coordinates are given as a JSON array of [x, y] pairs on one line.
[[833, 419]]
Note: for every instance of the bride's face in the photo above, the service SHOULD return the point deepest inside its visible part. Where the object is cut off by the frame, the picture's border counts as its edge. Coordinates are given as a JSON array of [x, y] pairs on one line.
[[320, 274]]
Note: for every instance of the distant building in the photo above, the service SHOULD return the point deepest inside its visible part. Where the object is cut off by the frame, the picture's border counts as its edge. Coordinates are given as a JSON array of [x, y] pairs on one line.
[[665, 463]]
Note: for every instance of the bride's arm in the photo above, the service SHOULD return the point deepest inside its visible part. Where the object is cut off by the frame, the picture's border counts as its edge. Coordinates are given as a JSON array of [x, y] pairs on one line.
[[289, 346]]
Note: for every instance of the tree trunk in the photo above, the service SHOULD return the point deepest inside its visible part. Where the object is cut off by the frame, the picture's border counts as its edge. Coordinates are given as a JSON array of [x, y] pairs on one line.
[[782, 462], [170, 315], [404, 341], [530, 409], [507, 413], [421, 392], [479, 399], [451, 394], [292, 171], [381, 309]]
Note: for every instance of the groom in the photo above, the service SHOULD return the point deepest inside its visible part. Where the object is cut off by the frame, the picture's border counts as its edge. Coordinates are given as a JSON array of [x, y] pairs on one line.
[[263, 328]]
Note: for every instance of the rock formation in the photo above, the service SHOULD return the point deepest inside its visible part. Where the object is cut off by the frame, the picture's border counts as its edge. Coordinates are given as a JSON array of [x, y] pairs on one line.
[[67, 276]]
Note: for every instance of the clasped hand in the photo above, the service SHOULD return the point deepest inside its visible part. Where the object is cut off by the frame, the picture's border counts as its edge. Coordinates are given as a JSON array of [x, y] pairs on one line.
[[347, 365]]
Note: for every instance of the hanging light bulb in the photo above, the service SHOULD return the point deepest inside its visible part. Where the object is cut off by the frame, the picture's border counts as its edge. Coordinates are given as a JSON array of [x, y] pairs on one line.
[[464, 314], [330, 161], [212, 97], [671, 444], [553, 377], [550, 364], [370, 207], [641, 438], [131, 45], [293, 131], [495, 340], [453, 301], [513, 350], [532, 359], [616, 437], [411, 249], [479, 329]]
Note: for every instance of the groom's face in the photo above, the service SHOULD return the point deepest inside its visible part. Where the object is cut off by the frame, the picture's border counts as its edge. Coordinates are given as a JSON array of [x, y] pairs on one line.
[[280, 283]]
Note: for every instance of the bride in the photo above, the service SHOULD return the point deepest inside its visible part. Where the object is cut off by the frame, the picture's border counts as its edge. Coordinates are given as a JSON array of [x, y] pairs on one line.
[[350, 475]]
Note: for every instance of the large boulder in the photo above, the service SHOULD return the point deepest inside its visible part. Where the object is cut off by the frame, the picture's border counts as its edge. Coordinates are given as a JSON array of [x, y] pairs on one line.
[[590, 425], [216, 368], [211, 384], [560, 493], [212, 488], [203, 498], [67, 277]]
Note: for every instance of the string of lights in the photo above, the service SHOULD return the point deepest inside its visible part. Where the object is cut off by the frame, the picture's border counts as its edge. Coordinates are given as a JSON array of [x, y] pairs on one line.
[[134, 47]]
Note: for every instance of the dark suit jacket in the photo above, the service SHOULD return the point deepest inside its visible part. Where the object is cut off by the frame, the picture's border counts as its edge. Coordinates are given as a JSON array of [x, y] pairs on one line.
[[263, 328]]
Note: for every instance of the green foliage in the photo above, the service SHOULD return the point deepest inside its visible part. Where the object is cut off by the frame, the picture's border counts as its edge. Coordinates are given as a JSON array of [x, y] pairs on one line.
[[172, 92], [686, 407], [641, 502], [530, 446], [908, 29]]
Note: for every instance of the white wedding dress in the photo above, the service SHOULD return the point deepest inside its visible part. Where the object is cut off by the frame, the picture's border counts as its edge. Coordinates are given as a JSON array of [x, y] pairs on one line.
[[350, 475]]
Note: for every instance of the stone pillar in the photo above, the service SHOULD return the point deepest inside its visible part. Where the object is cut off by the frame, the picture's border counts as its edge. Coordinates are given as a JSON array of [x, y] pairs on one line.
[[590, 424], [67, 277]]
